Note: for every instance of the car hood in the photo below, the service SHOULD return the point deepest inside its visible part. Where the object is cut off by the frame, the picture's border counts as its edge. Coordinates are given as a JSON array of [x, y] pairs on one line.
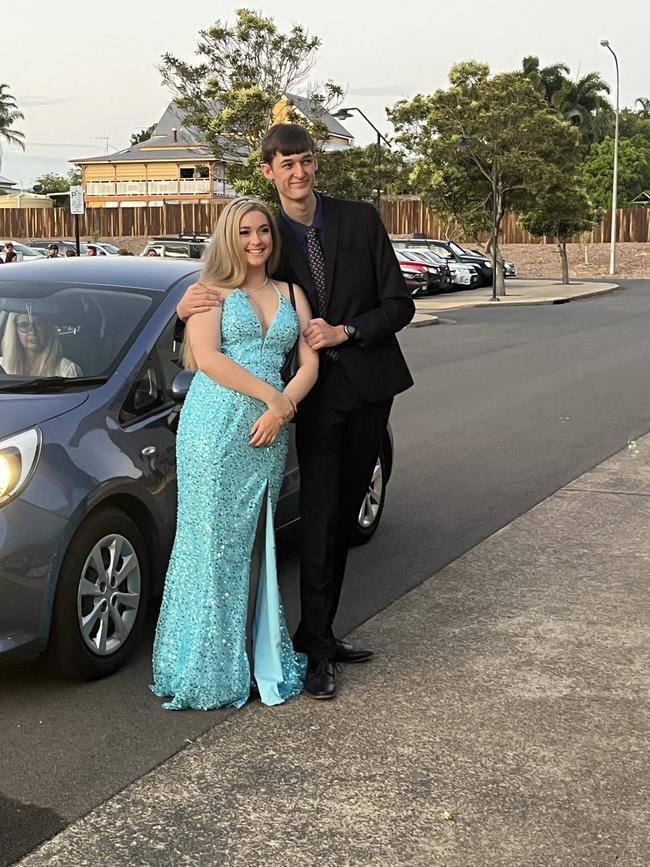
[[21, 411]]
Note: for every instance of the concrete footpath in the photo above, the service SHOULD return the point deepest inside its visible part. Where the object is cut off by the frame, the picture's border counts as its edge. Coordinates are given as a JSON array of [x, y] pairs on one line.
[[504, 721], [518, 291]]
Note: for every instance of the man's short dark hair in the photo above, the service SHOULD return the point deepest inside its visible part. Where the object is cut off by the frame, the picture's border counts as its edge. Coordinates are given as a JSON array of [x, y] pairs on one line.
[[53, 247], [286, 139]]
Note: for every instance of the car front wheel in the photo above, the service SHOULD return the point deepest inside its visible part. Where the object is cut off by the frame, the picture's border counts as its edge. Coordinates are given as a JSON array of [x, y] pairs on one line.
[[101, 597]]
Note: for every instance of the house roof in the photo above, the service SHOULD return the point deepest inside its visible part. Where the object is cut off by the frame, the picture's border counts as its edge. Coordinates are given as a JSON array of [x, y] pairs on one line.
[[6, 183], [173, 140], [165, 146], [314, 113], [153, 153]]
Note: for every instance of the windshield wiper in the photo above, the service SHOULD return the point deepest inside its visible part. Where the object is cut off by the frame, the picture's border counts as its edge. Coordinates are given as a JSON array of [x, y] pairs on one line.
[[47, 384]]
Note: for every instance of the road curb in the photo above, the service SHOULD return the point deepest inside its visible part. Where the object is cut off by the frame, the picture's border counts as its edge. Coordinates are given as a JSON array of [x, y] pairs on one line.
[[532, 302], [423, 319], [538, 302]]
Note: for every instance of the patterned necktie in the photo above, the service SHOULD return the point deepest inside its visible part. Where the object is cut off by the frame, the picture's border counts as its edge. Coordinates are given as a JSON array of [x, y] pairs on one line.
[[317, 268]]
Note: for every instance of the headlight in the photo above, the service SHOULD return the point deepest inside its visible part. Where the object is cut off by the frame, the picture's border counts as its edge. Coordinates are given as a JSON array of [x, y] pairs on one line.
[[412, 275], [487, 264], [18, 458]]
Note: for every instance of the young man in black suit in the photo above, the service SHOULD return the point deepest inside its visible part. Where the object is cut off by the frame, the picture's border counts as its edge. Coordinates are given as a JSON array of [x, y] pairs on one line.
[[339, 252]]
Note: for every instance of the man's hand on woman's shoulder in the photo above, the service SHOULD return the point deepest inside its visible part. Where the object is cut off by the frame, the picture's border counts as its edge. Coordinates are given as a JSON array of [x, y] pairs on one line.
[[198, 299]]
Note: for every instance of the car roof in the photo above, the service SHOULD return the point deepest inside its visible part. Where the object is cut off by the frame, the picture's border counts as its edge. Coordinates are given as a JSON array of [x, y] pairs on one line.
[[121, 272]]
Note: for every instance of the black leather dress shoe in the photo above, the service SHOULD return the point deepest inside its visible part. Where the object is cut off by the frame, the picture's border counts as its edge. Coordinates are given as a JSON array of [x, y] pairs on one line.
[[321, 679], [348, 653]]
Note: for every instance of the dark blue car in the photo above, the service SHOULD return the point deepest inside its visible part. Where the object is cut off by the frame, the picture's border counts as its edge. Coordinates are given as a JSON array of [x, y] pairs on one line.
[[90, 390]]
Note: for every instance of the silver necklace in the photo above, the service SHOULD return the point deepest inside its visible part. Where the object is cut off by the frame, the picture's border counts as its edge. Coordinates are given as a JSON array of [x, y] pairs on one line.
[[248, 292]]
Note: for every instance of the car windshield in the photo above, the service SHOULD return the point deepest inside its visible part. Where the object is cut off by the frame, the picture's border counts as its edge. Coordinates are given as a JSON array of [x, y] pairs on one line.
[[458, 250], [441, 251], [69, 338], [109, 248]]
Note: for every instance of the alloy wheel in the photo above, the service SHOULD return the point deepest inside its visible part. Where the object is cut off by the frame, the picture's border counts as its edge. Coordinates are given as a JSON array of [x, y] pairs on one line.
[[109, 594], [372, 501]]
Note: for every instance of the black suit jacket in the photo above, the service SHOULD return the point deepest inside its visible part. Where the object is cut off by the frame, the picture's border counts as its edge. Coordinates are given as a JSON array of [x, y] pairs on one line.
[[365, 288]]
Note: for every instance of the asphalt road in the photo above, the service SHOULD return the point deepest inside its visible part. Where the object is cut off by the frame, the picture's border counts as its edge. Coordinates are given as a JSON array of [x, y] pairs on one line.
[[510, 405]]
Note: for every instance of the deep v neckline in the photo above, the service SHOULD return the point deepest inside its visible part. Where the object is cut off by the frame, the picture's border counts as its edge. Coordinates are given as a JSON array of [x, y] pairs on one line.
[[257, 318]]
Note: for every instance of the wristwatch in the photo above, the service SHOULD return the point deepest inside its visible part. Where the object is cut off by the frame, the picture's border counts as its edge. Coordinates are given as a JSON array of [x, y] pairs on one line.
[[351, 331]]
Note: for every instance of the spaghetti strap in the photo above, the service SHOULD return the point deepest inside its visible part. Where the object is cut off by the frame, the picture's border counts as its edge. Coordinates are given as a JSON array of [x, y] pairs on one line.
[[272, 282]]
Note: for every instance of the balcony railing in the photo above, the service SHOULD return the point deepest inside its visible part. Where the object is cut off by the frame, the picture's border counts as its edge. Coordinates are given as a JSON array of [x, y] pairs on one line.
[[185, 186]]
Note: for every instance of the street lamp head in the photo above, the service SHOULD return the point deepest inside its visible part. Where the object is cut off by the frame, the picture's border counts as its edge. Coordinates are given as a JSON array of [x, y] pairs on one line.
[[342, 114], [604, 43]]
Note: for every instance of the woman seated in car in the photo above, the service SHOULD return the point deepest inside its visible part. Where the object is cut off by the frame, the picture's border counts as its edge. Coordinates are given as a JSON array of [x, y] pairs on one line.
[[31, 346]]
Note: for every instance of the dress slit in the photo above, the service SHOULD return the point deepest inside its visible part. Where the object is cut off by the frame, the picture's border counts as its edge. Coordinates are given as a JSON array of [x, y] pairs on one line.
[[266, 633]]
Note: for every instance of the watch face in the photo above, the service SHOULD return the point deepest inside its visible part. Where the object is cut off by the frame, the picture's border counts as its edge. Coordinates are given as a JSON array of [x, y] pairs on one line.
[[349, 330]]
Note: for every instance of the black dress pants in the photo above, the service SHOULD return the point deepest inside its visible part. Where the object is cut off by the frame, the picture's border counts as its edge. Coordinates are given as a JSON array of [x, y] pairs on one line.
[[338, 438]]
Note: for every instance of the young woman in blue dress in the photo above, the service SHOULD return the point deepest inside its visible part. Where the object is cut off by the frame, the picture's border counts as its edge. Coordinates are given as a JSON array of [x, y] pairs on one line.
[[221, 630]]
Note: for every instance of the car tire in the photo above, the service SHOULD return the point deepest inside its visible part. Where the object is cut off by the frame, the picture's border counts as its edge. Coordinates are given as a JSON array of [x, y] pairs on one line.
[[373, 503], [101, 597]]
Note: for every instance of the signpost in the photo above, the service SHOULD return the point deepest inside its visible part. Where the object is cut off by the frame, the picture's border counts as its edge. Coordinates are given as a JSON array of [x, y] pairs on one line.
[[77, 208]]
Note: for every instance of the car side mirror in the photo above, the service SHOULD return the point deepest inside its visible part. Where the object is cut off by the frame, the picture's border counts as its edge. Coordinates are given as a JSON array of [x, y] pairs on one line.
[[181, 385]]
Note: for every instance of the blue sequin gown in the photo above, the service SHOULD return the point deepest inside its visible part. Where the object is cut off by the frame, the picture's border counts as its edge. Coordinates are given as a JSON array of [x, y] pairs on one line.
[[199, 654]]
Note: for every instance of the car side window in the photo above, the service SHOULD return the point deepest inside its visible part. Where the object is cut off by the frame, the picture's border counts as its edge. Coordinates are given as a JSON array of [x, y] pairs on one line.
[[152, 389], [169, 353]]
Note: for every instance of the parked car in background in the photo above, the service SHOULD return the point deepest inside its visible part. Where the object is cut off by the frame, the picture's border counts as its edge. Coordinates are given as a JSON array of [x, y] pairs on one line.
[[109, 249], [177, 246], [436, 276], [460, 276], [509, 268], [415, 278], [103, 246], [22, 251], [43, 244], [451, 252], [87, 462]]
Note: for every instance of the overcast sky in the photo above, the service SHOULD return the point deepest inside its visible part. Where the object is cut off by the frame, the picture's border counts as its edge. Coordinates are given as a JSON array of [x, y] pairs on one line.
[[83, 71]]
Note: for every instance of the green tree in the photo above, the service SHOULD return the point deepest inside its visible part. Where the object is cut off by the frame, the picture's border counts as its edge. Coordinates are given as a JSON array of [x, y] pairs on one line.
[[644, 111], [143, 135], [493, 141], [51, 182], [560, 212], [633, 170], [9, 114], [232, 93], [355, 172], [582, 101], [547, 80], [635, 121]]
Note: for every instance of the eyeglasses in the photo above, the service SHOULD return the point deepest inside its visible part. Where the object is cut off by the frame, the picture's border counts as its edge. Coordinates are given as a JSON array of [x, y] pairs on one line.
[[26, 327]]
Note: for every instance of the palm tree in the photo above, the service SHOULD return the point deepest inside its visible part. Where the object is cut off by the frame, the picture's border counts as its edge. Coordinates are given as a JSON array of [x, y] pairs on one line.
[[582, 102], [644, 102], [9, 114], [546, 79]]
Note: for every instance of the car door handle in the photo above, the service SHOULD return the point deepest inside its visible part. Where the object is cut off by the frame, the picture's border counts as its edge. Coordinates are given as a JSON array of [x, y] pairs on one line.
[[148, 451]]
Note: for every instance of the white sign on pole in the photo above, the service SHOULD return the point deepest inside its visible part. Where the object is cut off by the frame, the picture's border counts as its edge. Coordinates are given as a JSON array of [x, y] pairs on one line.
[[76, 200]]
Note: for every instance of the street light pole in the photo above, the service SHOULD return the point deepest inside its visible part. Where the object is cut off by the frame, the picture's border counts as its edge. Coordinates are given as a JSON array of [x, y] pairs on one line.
[[612, 241], [343, 114]]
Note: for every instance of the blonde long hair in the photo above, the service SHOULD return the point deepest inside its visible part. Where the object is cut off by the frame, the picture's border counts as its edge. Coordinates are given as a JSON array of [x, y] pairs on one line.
[[224, 262], [14, 357]]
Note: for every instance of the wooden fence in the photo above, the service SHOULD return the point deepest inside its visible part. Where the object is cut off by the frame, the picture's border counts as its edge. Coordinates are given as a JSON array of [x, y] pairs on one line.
[[401, 217], [405, 216]]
